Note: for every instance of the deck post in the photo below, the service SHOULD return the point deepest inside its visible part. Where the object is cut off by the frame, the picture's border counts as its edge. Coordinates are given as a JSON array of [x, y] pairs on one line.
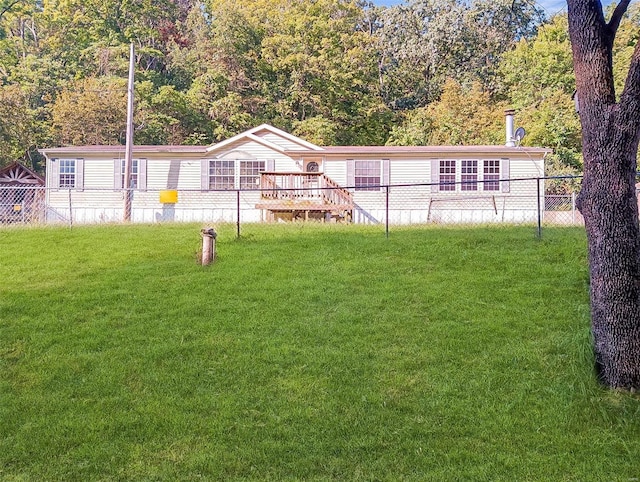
[[208, 246]]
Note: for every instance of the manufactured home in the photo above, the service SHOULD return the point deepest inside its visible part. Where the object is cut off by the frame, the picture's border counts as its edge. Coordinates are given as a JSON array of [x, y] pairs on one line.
[[266, 174]]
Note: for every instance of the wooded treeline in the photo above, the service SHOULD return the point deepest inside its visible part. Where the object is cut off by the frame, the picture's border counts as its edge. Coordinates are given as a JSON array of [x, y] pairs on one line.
[[332, 71]]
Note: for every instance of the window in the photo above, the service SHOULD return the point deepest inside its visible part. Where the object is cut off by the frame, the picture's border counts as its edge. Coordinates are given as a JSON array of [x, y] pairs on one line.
[[447, 175], [469, 175], [250, 174], [221, 174], [234, 174], [491, 175], [67, 174], [367, 175], [134, 174]]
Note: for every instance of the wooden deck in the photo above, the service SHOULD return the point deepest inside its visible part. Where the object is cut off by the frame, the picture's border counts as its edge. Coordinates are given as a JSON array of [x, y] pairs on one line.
[[303, 195]]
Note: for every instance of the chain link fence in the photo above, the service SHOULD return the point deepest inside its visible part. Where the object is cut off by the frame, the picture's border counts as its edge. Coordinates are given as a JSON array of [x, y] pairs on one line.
[[513, 201]]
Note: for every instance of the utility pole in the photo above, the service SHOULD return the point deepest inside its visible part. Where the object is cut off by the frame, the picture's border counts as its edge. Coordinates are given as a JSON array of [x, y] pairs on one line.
[[128, 157]]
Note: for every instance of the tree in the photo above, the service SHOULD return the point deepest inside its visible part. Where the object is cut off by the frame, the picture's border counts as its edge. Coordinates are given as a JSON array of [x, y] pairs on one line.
[[608, 202], [537, 77], [461, 116], [424, 42], [93, 111], [18, 126]]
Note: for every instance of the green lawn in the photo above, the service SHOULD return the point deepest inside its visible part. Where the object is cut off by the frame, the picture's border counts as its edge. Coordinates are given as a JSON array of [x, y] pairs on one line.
[[306, 352]]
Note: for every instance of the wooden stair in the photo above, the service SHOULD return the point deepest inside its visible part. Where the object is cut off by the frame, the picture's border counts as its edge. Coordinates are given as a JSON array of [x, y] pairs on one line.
[[304, 195]]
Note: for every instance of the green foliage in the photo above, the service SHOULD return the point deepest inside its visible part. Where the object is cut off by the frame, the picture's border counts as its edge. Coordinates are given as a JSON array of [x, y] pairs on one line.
[[624, 45], [424, 42], [122, 359], [461, 116], [538, 79], [164, 115], [537, 67], [318, 130], [18, 125], [93, 111], [333, 71]]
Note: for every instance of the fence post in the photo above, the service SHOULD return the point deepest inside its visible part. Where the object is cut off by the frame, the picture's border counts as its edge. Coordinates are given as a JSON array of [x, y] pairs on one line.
[[573, 208], [70, 210], [387, 189], [539, 210], [238, 208]]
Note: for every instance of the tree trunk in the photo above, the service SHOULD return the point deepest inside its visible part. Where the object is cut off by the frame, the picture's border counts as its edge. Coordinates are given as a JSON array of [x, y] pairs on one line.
[[608, 199], [609, 206]]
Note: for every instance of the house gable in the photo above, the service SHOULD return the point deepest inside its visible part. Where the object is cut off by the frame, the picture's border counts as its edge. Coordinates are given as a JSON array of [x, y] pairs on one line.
[[15, 174], [269, 136]]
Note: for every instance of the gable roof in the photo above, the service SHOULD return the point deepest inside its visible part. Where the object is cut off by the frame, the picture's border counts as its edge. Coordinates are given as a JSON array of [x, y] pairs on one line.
[[295, 147], [256, 134], [16, 174]]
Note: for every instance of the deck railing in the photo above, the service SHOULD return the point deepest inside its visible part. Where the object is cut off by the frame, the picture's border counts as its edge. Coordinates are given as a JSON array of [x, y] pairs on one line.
[[308, 186]]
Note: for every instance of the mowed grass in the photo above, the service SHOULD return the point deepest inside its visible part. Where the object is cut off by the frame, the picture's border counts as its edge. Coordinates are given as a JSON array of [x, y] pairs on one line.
[[306, 352]]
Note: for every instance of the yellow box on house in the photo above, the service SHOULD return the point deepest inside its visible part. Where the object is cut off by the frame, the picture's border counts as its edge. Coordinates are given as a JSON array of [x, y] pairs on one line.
[[169, 196]]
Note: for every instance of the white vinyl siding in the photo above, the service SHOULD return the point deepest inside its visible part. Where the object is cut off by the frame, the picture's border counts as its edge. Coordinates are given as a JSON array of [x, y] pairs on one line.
[[172, 174], [189, 173], [406, 171], [281, 141], [336, 170]]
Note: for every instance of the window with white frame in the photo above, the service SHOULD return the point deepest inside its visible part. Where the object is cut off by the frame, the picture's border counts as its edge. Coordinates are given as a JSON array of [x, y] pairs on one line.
[[235, 174], [367, 175], [221, 174], [447, 172], [250, 174], [468, 175], [133, 174], [67, 174], [491, 175]]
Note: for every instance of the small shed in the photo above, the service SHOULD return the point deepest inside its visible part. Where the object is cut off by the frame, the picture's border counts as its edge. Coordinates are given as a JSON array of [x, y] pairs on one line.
[[21, 194]]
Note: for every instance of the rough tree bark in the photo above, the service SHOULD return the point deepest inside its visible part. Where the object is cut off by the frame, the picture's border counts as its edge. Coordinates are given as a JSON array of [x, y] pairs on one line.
[[610, 136]]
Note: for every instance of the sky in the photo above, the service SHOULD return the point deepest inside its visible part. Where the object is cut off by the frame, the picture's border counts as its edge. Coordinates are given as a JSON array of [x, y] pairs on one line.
[[550, 6]]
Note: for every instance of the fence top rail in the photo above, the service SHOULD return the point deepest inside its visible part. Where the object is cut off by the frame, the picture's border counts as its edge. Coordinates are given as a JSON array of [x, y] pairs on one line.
[[292, 173], [301, 188]]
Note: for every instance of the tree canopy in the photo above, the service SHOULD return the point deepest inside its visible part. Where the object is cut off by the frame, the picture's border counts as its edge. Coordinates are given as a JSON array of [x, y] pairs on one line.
[[333, 71]]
